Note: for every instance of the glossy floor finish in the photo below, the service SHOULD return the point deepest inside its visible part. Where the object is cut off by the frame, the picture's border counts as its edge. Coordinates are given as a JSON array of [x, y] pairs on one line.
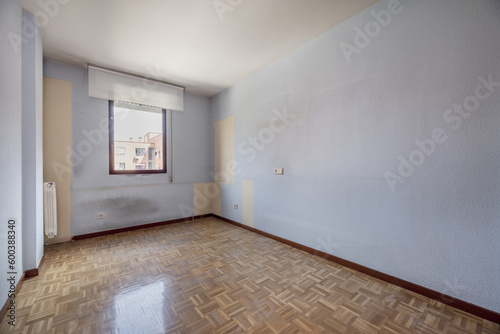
[[208, 276]]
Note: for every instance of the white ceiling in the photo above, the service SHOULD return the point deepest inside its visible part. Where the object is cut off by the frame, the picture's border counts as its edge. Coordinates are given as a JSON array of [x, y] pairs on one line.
[[185, 41]]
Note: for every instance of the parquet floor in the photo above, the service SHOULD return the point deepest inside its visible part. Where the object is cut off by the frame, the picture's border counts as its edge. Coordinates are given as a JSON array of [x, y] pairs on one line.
[[208, 276]]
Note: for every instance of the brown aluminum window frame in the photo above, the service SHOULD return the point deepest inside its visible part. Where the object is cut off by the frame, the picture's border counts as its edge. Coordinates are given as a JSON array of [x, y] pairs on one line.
[[112, 171]]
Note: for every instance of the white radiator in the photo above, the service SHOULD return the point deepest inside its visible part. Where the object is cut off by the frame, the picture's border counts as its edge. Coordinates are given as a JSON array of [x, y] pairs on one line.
[[50, 209]]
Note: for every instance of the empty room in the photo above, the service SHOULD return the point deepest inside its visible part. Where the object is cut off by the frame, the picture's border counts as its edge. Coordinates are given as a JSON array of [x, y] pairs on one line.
[[250, 166]]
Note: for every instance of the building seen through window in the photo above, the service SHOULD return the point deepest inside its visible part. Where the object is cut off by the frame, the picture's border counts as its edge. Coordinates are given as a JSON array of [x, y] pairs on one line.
[[137, 139]]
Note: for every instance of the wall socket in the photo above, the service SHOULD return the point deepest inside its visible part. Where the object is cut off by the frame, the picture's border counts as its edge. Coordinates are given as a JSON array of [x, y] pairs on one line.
[[279, 171], [100, 215], [236, 206]]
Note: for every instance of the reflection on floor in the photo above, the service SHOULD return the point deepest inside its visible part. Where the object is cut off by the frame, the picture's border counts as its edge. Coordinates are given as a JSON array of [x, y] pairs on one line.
[[140, 306], [211, 277]]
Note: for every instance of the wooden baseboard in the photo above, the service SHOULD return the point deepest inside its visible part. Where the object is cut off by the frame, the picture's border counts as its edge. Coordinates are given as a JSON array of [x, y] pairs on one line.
[[138, 227], [31, 273], [438, 296], [4, 310], [35, 272]]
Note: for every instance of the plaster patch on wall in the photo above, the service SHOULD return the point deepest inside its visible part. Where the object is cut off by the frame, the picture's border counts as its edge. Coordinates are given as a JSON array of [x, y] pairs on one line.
[[224, 162], [217, 201], [224, 150], [57, 107], [247, 189]]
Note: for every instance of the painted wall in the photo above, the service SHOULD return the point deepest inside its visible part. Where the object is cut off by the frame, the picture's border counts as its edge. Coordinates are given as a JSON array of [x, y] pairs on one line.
[[32, 148], [130, 200], [382, 165], [10, 139], [56, 143]]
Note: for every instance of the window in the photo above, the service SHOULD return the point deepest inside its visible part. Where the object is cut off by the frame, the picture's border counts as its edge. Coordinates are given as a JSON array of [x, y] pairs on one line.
[[140, 152], [137, 139]]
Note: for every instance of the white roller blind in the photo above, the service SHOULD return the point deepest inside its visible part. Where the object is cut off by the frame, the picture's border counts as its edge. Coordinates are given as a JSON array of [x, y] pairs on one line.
[[110, 85]]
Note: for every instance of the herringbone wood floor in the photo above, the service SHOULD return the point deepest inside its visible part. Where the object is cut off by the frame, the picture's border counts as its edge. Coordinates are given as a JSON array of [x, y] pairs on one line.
[[208, 276]]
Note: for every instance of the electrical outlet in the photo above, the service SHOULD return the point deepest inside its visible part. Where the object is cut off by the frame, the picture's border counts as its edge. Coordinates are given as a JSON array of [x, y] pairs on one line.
[[100, 215], [279, 171], [236, 206]]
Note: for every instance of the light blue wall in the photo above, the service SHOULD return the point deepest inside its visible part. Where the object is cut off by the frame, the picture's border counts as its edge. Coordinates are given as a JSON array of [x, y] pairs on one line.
[[32, 144], [349, 124], [10, 138], [130, 200]]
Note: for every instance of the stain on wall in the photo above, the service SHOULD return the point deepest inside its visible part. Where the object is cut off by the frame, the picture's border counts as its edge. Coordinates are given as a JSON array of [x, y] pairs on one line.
[[122, 206], [247, 189]]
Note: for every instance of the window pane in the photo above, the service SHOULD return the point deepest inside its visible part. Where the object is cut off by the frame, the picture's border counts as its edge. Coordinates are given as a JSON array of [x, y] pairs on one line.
[[137, 137], [140, 151]]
